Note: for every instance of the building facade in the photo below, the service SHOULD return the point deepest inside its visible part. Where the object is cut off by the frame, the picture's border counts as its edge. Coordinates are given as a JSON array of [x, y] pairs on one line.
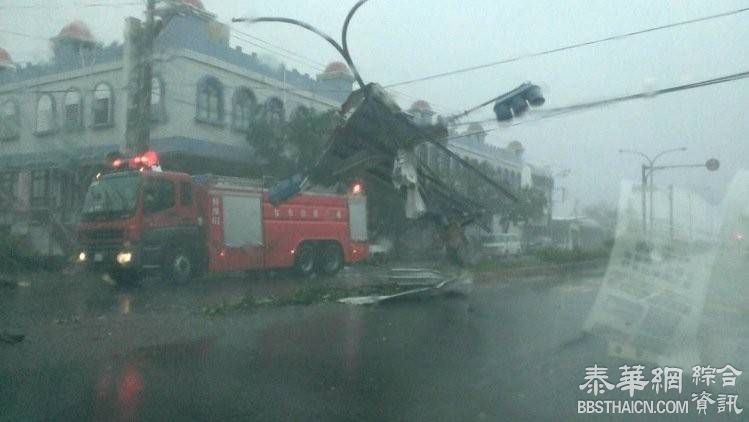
[[60, 119]]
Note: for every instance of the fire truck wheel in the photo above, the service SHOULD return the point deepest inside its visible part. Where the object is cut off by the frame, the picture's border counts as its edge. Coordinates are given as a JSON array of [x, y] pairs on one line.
[[330, 260], [304, 263], [179, 266]]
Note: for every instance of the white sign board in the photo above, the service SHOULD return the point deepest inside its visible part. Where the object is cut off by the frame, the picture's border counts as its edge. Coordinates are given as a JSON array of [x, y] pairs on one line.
[[654, 288]]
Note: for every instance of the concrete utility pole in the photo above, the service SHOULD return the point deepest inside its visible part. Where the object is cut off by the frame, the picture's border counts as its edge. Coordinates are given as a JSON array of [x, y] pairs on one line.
[[138, 130], [147, 65]]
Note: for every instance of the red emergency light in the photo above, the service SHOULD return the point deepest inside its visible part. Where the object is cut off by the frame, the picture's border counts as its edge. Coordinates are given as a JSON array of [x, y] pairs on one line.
[[147, 160], [357, 188]]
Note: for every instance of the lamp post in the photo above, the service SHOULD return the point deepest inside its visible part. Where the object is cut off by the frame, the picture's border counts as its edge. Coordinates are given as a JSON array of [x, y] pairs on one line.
[[342, 48], [647, 170], [711, 165]]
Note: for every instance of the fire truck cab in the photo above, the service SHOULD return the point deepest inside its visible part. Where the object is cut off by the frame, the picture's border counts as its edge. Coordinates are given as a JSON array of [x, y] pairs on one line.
[[139, 220]]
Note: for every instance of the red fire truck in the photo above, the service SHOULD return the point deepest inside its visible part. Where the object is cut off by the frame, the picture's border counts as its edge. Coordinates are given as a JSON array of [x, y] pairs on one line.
[[140, 219]]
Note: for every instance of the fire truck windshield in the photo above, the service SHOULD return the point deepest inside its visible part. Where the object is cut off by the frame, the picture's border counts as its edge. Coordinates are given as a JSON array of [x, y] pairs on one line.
[[111, 196]]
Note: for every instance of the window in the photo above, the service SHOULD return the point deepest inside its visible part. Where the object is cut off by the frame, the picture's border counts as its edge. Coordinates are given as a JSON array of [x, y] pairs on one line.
[[10, 121], [274, 111], [157, 100], [243, 109], [73, 110], [185, 193], [45, 114], [158, 195], [39, 187], [8, 182], [210, 102], [103, 105]]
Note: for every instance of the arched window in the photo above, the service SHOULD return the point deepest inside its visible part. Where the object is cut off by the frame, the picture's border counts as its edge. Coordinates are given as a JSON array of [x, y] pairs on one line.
[[274, 111], [103, 105], [73, 110], [158, 109], [45, 114], [10, 121], [244, 106], [210, 101]]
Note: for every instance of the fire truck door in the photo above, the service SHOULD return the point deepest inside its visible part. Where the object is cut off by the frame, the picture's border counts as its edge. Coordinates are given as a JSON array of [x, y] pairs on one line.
[[159, 219], [243, 230]]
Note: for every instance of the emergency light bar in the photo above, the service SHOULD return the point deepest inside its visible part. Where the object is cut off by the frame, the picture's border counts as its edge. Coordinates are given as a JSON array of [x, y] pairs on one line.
[[147, 160]]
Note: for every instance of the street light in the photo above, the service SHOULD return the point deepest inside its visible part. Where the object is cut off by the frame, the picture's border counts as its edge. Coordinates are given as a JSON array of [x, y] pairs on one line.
[[645, 170], [711, 164], [341, 48]]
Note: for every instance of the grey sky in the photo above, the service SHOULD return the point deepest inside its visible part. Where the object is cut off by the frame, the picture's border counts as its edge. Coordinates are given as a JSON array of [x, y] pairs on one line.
[[393, 41]]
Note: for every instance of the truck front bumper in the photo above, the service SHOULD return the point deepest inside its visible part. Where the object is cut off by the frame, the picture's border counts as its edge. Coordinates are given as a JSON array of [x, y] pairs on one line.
[[109, 258]]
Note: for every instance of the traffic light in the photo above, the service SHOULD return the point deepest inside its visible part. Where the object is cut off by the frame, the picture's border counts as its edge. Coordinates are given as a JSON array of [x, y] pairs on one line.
[[516, 102]]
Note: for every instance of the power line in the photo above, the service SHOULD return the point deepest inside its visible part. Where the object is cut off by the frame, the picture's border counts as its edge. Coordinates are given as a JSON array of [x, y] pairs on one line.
[[65, 6], [276, 53], [21, 34], [317, 64], [307, 61], [554, 112], [544, 114], [570, 47]]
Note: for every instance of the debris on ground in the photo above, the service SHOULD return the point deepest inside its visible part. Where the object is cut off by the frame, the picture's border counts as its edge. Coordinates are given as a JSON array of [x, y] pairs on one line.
[[415, 276], [308, 295], [402, 283], [9, 338], [375, 299], [421, 281]]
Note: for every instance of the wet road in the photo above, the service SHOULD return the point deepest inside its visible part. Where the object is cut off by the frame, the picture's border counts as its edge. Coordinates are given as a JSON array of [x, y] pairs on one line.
[[505, 351]]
